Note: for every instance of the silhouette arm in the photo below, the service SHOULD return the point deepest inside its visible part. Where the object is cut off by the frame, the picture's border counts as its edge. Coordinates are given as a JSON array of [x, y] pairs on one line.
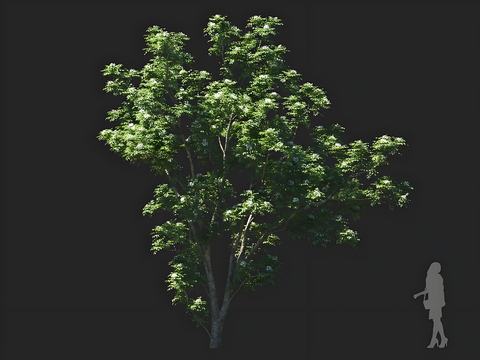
[[420, 293]]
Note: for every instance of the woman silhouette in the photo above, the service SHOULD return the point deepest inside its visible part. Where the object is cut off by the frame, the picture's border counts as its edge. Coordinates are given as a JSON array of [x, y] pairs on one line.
[[435, 302]]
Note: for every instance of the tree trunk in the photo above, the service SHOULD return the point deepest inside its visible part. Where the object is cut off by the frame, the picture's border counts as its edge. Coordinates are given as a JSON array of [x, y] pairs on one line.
[[216, 331]]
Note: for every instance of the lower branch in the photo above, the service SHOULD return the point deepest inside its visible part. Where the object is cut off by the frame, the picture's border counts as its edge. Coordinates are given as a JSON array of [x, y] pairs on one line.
[[237, 289], [208, 332]]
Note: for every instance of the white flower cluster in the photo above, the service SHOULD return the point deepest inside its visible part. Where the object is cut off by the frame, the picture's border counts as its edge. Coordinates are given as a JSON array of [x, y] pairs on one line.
[[243, 263], [295, 200], [317, 193], [269, 268]]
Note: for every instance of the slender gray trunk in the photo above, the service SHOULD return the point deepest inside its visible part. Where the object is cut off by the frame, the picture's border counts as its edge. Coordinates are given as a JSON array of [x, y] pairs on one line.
[[218, 314], [217, 331]]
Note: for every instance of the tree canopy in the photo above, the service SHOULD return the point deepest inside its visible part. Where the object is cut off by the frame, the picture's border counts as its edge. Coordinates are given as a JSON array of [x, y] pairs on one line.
[[245, 117]]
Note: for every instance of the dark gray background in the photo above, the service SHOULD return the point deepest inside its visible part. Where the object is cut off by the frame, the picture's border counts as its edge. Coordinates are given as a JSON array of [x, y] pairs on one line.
[[78, 279]]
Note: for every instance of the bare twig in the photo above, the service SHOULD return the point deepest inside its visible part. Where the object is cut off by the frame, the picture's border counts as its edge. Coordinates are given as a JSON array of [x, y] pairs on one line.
[[238, 289], [206, 330]]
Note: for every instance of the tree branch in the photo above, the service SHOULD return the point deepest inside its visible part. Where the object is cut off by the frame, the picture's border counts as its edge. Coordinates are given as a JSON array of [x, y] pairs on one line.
[[244, 239], [241, 286], [199, 322], [238, 289], [224, 150], [211, 282], [221, 147], [206, 330], [190, 223], [226, 298], [263, 175], [257, 244], [339, 200], [285, 223], [192, 169], [208, 294]]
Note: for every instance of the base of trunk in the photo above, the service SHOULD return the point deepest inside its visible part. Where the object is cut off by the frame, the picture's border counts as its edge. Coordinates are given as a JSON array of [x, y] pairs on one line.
[[216, 333], [215, 343]]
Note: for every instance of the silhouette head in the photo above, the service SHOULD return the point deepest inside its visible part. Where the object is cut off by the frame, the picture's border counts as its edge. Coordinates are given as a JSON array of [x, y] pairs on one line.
[[434, 268]]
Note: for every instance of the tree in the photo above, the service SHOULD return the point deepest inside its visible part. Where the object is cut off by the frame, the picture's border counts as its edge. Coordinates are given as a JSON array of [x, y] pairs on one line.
[[246, 118]]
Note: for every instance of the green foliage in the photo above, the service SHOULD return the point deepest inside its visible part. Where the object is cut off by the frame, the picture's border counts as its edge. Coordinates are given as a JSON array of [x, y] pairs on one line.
[[246, 119], [253, 274]]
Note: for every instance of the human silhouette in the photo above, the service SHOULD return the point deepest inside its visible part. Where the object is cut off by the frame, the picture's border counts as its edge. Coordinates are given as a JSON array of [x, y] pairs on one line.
[[434, 300]]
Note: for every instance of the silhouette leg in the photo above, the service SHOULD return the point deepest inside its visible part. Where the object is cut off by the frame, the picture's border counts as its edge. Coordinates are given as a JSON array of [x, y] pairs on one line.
[[442, 334], [434, 340]]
